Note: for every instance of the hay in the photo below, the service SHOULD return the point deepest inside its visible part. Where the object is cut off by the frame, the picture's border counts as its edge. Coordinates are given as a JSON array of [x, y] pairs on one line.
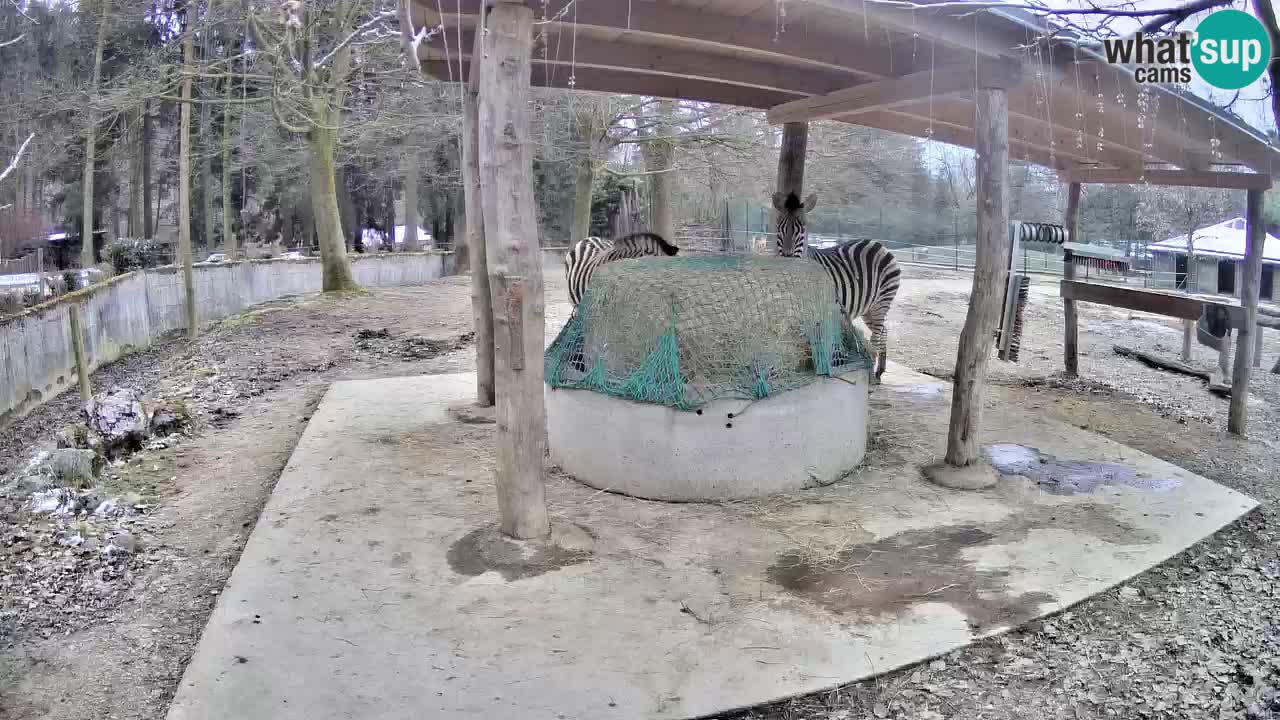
[[685, 331]]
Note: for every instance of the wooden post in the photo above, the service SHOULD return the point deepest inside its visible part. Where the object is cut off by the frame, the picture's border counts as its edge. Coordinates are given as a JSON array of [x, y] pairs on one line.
[[481, 307], [77, 347], [791, 156], [1255, 231], [990, 266], [1188, 331], [514, 267], [40, 278], [1070, 338], [1257, 347]]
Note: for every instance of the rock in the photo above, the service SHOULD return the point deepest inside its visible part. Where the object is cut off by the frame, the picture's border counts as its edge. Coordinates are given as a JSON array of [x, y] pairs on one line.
[[75, 436], [63, 467], [125, 544], [169, 418], [938, 665], [120, 419]]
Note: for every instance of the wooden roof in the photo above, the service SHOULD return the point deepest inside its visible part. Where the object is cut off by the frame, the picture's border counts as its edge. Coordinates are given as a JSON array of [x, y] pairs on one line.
[[873, 64]]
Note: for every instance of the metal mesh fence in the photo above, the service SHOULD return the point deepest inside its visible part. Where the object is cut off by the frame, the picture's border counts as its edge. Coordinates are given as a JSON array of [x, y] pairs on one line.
[[682, 332]]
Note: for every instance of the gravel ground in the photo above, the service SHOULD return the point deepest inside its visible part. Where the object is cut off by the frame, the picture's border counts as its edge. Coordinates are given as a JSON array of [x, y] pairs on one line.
[[1196, 638]]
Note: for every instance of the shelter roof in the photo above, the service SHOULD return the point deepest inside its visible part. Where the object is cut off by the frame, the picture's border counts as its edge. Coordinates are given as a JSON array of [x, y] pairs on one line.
[[877, 63], [1226, 240]]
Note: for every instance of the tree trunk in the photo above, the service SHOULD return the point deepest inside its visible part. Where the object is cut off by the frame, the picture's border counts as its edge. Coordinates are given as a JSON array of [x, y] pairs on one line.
[[87, 255], [411, 218], [658, 153], [184, 179], [515, 269], [148, 224], [229, 244], [791, 158], [989, 276], [585, 126], [389, 216], [206, 145], [324, 208], [134, 143]]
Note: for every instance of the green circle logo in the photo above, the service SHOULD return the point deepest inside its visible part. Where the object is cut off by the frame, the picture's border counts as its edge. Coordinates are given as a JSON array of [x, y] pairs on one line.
[[1232, 49]]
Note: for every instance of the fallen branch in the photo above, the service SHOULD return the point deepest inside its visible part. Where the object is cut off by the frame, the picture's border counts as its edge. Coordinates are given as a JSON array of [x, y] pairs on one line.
[[1159, 363]]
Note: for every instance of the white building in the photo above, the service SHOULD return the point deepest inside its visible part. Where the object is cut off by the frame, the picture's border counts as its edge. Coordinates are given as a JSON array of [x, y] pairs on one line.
[[1219, 255]]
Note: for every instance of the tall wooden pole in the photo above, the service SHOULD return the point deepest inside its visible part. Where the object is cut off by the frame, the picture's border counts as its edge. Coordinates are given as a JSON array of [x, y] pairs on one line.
[[791, 156], [989, 275], [1255, 231], [1070, 338], [481, 306], [514, 267], [184, 179]]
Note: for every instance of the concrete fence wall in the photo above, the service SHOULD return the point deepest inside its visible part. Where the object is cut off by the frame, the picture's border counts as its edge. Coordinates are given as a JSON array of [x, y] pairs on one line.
[[131, 311]]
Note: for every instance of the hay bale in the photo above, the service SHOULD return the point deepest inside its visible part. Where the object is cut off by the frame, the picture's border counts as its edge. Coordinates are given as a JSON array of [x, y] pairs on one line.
[[738, 326]]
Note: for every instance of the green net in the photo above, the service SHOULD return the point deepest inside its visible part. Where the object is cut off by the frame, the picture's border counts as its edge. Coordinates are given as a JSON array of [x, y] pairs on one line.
[[685, 331]]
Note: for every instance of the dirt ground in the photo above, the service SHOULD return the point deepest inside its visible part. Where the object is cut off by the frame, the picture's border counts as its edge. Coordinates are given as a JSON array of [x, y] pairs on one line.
[[1196, 638]]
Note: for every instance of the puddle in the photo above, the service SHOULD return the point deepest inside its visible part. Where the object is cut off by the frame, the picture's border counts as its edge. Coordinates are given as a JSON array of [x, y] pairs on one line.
[[887, 577], [1068, 477]]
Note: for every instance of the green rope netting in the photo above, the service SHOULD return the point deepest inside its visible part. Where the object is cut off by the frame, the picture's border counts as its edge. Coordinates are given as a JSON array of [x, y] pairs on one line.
[[684, 331]]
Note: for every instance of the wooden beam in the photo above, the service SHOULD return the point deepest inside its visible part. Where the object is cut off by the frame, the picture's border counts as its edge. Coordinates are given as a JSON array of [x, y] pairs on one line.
[[739, 36], [1071, 332], [1181, 178], [961, 135], [990, 267], [515, 269], [898, 91], [634, 83], [481, 302], [560, 59], [82, 357], [1255, 231]]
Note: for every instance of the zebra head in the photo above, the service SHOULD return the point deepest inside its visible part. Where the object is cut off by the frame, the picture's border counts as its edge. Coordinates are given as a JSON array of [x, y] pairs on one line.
[[791, 235]]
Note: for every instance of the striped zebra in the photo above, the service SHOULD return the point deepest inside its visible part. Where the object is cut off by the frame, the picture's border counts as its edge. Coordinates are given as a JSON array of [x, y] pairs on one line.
[[584, 257], [864, 271]]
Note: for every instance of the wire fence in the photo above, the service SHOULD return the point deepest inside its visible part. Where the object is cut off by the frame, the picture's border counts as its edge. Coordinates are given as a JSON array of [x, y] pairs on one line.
[[956, 256]]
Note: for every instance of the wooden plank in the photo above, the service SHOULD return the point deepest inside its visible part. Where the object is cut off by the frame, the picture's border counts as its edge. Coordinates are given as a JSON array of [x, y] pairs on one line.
[[1155, 361], [960, 135], [514, 267], [1255, 231], [637, 83], [898, 91], [1071, 322], [710, 30], [992, 170], [1158, 303], [571, 55], [1180, 178], [481, 301]]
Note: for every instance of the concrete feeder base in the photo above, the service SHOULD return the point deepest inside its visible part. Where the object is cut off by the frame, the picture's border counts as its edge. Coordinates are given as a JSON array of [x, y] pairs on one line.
[[802, 438]]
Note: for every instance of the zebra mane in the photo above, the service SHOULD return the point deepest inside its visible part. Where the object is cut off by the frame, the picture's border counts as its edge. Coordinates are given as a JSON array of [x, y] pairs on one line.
[[667, 248]]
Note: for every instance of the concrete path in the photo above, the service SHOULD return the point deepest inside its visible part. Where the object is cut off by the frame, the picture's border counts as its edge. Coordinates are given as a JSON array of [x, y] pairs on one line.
[[373, 586]]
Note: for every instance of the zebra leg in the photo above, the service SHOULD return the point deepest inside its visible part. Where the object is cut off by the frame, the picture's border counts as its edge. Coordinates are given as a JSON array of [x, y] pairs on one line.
[[879, 341]]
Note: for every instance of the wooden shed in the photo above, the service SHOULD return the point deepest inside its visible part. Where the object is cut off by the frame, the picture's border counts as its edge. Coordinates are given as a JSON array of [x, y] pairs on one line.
[[995, 79]]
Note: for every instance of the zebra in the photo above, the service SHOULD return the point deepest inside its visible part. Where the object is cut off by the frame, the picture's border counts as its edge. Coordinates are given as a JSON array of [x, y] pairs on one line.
[[864, 271], [586, 255]]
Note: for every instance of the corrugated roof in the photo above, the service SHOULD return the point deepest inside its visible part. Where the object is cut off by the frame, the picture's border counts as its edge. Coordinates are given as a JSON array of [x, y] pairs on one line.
[[1226, 239]]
